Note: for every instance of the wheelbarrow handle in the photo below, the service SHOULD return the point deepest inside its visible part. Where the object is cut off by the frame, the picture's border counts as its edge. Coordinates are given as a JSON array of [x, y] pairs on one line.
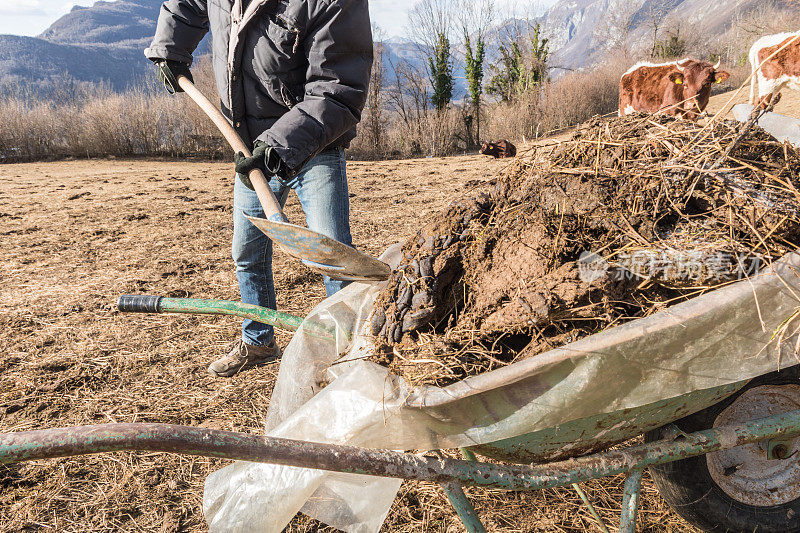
[[191, 306], [139, 304], [71, 442], [272, 209]]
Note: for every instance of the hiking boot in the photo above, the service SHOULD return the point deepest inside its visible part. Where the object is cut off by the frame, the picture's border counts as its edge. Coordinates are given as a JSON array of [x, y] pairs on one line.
[[244, 356]]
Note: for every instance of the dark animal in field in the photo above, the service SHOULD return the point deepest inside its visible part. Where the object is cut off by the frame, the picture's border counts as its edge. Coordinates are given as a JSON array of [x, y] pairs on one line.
[[499, 150]]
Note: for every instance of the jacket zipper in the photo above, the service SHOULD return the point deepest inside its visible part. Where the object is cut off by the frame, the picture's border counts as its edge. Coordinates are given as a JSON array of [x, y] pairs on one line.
[[237, 13]]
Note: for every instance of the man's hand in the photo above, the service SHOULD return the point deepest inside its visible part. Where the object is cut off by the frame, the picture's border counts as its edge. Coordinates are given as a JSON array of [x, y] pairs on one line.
[[168, 73], [265, 158]]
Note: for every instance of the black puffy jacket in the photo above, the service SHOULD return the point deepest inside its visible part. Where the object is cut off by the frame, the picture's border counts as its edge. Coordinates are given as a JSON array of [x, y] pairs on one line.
[[292, 73]]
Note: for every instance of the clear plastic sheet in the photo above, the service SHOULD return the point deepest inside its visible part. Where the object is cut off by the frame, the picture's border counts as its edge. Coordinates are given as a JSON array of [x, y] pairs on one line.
[[779, 126], [264, 498], [248, 497], [721, 338]]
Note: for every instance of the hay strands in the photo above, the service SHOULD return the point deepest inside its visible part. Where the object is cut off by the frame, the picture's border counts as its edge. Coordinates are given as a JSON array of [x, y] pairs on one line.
[[661, 191]]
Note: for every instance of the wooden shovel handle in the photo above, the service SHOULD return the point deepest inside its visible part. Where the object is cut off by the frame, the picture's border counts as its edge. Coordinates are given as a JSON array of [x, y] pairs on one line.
[[272, 209]]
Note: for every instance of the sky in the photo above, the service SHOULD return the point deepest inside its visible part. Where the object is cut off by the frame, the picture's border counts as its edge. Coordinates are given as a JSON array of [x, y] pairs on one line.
[[31, 17]]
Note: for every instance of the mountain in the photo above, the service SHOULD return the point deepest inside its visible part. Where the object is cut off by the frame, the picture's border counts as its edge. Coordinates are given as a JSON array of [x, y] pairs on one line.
[[101, 43], [579, 28], [122, 23], [398, 48], [105, 43], [39, 62], [571, 27]]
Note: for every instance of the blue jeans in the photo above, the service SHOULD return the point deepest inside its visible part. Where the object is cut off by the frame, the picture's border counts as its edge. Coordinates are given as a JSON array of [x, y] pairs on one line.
[[321, 188]]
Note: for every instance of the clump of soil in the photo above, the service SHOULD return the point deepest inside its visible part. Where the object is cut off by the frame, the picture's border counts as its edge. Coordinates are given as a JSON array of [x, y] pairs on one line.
[[628, 217]]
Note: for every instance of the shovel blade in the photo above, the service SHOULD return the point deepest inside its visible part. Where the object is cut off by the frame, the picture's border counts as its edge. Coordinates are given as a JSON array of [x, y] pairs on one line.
[[322, 254]]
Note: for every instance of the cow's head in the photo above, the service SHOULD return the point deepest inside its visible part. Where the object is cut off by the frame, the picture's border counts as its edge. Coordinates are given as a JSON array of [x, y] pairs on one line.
[[697, 78], [488, 148]]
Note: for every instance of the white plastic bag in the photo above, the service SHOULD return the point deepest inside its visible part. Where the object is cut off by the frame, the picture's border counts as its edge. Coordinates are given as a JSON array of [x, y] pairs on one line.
[[255, 497]]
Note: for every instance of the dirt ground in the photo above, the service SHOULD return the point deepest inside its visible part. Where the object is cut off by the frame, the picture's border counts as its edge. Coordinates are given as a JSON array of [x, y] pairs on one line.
[[789, 104]]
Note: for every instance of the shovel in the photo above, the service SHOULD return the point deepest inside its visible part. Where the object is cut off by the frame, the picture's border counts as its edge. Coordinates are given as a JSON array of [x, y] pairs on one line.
[[319, 253]]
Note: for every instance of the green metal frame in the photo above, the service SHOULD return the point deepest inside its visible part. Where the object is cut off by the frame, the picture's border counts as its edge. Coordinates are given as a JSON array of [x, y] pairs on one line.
[[630, 501], [463, 507], [452, 474]]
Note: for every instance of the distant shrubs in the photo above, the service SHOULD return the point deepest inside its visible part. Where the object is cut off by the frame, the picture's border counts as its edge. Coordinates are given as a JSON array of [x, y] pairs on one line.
[[93, 121], [403, 118], [558, 104], [570, 100], [146, 122], [768, 17]]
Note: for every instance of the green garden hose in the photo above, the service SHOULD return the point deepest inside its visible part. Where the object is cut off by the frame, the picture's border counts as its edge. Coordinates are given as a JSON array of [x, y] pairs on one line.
[[190, 306]]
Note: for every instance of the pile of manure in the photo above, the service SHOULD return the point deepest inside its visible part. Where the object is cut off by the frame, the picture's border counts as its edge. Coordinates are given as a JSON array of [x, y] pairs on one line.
[[629, 216]]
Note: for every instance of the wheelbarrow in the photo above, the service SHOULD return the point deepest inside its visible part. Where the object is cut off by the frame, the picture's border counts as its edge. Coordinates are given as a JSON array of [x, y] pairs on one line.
[[724, 457]]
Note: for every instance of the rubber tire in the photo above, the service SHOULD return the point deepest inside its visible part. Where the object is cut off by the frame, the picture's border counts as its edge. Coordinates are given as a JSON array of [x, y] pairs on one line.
[[688, 488]]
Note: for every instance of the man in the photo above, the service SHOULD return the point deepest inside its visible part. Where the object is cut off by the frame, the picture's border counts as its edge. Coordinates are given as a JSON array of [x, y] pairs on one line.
[[293, 77]]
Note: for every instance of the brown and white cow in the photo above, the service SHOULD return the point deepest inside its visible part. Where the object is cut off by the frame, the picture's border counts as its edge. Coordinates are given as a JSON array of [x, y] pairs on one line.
[[782, 70], [681, 88], [499, 150]]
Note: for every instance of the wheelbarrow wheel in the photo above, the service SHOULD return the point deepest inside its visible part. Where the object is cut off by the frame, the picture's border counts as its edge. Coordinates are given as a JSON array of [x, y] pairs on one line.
[[754, 487]]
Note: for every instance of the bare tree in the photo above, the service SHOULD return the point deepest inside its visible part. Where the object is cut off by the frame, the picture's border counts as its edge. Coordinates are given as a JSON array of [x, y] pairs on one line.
[[613, 34], [431, 24], [656, 14], [476, 18], [428, 21], [408, 98], [523, 64], [374, 119]]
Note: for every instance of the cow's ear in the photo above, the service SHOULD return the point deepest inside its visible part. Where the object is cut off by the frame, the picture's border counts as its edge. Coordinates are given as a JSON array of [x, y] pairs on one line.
[[677, 78], [722, 76]]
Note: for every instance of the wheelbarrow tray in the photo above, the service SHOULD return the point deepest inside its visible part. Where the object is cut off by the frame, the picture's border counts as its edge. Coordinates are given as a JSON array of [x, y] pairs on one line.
[[573, 400], [611, 386], [595, 433]]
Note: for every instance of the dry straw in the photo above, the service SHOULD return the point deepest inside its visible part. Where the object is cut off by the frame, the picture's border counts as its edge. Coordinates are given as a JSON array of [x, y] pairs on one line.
[[722, 196]]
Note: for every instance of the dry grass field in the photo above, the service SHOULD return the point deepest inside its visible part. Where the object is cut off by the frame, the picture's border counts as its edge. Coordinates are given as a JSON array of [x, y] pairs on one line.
[[789, 104], [76, 234]]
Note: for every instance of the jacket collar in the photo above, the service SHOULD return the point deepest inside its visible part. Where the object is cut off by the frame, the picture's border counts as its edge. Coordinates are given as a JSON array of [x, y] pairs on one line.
[[241, 17]]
